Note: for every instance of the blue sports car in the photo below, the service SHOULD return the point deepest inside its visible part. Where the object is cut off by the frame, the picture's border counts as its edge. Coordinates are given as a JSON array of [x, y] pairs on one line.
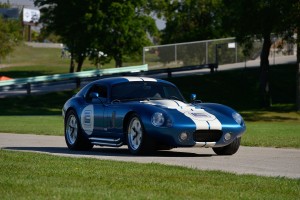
[[147, 114]]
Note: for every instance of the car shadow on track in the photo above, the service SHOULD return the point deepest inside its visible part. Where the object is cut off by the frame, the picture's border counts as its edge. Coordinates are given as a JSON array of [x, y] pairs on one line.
[[106, 152]]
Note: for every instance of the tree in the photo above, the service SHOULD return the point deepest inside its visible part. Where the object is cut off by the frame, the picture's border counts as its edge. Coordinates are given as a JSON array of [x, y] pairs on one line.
[[116, 28], [128, 25], [68, 19], [189, 20], [249, 19], [294, 18], [10, 34]]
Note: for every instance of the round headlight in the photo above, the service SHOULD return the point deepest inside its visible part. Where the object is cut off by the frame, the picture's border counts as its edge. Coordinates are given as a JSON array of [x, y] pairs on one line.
[[227, 136], [183, 136], [237, 117], [157, 119]]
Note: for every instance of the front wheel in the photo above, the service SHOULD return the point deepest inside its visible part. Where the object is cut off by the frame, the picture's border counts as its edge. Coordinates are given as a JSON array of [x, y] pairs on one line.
[[73, 134], [230, 149], [137, 139]]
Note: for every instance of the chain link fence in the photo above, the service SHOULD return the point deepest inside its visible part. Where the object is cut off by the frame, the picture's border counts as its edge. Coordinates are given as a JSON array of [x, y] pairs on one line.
[[219, 51]]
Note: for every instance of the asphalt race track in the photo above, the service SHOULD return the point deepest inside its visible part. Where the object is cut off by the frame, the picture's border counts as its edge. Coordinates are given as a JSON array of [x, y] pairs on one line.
[[248, 160]]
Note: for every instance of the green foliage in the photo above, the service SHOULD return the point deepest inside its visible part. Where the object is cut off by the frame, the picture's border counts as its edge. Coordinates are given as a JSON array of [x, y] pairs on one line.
[[190, 20], [39, 176], [116, 28], [252, 19], [127, 29], [247, 18], [10, 34], [235, 88]]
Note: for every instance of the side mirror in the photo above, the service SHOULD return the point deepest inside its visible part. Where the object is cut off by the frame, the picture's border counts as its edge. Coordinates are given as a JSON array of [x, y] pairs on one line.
[[94, 95], [193, 97]]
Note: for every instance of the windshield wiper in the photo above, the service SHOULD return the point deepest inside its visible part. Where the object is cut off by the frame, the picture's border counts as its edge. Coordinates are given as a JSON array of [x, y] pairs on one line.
[[175, 98]]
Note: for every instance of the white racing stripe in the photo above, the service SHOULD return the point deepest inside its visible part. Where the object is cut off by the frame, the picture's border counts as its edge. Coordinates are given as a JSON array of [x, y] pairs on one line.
[[132, 79], [202, 119], [215, 125]]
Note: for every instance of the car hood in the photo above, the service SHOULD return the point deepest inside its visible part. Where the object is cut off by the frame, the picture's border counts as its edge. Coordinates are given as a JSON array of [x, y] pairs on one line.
[[191, 111]]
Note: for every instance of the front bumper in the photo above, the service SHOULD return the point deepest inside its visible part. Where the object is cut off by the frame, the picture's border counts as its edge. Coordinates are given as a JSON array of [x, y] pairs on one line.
[[197, 138]]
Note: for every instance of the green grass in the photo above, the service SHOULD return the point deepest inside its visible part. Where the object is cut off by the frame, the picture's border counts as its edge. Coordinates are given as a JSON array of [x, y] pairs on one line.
[[40, 125], [24, 55], [39, 176], [28, 61], [272, 134], [45, 104]]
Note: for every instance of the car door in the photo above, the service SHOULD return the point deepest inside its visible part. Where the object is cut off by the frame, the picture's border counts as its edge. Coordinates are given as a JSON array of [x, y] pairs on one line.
[[114, 116], [93, 121]]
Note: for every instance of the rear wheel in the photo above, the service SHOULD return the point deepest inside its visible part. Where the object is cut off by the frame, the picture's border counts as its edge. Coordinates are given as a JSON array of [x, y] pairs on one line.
[[73, 133], [137, 139], [230, 149]]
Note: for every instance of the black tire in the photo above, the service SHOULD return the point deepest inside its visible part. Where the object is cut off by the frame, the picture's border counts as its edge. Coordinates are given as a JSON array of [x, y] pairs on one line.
[[74, 137], [137, 139], [230, 149]]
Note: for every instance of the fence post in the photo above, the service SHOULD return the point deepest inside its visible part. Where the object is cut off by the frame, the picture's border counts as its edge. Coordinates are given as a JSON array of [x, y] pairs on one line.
[[206, 53], [144, 49], [175, 55], [28, 88], [77, 80], [169, 73]]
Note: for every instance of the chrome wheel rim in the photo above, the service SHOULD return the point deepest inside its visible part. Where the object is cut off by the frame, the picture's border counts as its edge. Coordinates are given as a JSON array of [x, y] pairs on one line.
[[71, 129], [135, 133]]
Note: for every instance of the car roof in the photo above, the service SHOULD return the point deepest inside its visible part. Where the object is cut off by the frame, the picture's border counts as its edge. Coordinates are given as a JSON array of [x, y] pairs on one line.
[[122, 79]]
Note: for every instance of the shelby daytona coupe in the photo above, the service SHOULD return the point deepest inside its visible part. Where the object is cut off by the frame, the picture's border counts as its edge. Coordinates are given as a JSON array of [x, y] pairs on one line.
[[147, 114]]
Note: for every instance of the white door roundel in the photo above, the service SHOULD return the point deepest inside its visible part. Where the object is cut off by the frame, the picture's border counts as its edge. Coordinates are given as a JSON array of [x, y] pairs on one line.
[[87, 119]]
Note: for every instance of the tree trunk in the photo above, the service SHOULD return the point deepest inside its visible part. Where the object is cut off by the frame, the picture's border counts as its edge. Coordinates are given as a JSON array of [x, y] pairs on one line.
[[264, 72], [298, 71], [118, 60], [72, 64], [80, 63], [298, 83]]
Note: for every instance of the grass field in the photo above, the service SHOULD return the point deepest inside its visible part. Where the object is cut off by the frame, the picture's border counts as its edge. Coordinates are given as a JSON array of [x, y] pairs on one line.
[[28, 61], [24, 55], [39, 176]]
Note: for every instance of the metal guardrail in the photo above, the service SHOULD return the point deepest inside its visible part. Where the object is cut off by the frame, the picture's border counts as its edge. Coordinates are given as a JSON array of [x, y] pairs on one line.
[[83, 74], [213, 67], [26, 83]]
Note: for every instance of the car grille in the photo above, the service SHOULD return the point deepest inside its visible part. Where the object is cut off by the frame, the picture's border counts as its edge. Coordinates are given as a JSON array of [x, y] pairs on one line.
[[207, 135]]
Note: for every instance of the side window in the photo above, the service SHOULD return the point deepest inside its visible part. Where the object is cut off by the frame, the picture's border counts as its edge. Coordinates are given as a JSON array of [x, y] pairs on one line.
[[101, 90]]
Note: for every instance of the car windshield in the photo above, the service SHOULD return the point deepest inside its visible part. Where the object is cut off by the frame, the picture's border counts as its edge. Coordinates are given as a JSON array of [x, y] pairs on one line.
[[144, 90]]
